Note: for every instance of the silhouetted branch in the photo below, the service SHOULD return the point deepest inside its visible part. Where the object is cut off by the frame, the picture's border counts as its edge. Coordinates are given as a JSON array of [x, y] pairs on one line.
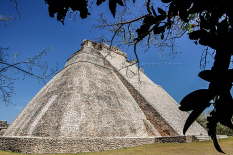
[[18, 68], [124, 22], [25, 67]]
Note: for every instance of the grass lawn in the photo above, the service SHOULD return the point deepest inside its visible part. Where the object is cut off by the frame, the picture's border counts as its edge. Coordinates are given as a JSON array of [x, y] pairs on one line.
[[195, 148]]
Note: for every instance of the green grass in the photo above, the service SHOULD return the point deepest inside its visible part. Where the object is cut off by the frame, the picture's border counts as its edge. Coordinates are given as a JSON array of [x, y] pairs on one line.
[[195, 148]]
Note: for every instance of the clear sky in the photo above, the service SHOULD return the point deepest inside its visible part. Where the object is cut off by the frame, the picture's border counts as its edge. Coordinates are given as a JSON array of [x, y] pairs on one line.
[[33, 30]]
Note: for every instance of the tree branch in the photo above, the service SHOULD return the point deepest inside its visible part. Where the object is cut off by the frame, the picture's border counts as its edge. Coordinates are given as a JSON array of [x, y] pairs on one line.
[[20, 69], [124, 22]]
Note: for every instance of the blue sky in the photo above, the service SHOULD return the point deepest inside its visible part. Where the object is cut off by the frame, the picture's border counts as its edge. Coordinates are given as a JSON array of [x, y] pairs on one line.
[[33, 30]]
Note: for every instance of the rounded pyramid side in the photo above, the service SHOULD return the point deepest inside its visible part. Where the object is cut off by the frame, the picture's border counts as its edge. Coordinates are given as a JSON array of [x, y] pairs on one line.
[[85, 99], [152, 93]]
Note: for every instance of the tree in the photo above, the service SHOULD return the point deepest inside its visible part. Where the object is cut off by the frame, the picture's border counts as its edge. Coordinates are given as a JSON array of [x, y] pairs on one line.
[[220, 130], [208, 23], [12, 67], [30, 67]]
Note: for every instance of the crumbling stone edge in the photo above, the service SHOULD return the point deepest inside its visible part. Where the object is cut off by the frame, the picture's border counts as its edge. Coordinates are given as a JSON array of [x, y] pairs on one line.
[[71, 145]]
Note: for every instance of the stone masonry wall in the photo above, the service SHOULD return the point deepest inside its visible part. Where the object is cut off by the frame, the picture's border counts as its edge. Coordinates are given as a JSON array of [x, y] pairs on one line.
[[151, 114], [64, 145], [154, 95]]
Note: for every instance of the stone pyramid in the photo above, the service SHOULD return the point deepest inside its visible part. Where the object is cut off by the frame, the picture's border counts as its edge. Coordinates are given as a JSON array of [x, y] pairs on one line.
[[97, 103]]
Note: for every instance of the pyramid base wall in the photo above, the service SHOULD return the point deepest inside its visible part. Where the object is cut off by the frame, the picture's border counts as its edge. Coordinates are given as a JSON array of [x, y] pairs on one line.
[[70, 145]]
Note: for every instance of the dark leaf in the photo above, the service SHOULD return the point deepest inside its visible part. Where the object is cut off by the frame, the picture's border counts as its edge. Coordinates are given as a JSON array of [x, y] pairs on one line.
[[161, 11], [60, 8], [206, 75], [210, 75], [211, 125], [159, 30], [149, 20], [198, 99], [172, 11], [216, 145], [98, 2], [224, 110], [183, 14], [120, 2], [230, 74], [195, 35], [160, 18], [143, 31], [51, 11], [192, 117], [166, 1], [112, 7]]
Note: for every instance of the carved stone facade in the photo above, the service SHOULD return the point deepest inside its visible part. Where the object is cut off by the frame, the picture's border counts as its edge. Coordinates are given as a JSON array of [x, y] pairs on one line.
[[97, 103]]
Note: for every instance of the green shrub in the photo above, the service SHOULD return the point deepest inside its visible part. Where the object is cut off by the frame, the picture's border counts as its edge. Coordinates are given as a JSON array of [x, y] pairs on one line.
[[221, 130]]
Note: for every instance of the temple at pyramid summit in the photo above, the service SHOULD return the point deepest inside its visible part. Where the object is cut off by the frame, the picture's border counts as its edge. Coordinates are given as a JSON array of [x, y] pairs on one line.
[[95, 103]]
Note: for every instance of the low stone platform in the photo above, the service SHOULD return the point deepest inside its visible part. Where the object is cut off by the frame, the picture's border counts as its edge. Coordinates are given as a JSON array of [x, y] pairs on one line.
[[71, 145]]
